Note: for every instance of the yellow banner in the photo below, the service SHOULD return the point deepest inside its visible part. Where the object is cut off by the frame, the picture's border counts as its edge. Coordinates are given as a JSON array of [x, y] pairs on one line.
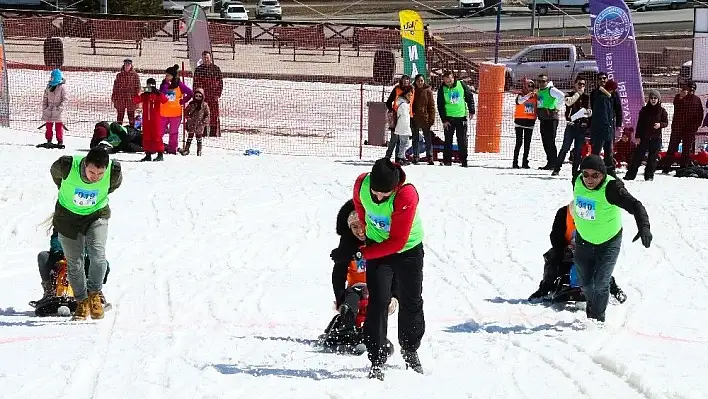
[[412, 26]]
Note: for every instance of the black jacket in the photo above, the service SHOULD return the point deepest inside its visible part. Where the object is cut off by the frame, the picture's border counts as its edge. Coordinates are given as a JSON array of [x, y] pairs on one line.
[[469, 99], [606, 111], [344, 253]]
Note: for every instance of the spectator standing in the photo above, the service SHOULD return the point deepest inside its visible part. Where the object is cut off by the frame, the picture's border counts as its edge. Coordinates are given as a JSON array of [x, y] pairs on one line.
[[207, 76], [687, 119], [455, 107], [524, 121], [423, 118], [577, 115], [126, 85], [53, 102], [606, 118], [549, 103]]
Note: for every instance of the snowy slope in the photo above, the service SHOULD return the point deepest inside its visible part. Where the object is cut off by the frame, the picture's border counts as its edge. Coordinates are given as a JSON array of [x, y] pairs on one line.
[[221, 277]]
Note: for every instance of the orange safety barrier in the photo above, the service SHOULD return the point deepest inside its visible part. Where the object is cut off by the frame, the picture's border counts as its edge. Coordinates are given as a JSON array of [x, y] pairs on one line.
[[490, 103]]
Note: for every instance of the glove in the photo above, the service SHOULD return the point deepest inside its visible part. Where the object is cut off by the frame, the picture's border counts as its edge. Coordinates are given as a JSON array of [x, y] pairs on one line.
[[645, 234]]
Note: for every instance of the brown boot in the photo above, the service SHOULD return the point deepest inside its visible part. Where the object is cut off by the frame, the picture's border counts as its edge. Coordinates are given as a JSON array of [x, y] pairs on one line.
[[82, 310], [96, 305]]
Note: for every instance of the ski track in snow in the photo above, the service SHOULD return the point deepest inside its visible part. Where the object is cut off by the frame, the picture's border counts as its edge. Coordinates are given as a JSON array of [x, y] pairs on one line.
[[220, 283]]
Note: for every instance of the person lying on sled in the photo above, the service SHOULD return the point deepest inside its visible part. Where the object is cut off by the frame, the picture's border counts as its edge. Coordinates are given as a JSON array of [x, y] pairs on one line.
[[349, 284], [49, 263], [558, 261]]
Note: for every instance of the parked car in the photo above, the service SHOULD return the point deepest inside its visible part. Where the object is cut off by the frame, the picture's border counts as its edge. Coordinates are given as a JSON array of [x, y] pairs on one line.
[[543, 6], [234, 11], [645, 5], [562, 63], [269, 9], [471, 6]]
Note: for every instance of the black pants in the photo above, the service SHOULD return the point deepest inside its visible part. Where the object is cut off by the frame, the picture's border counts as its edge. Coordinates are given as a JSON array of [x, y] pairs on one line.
[[689, 143], [523, 133], [650, 145], [408, 269], [603, 138], [457, 127], [549, 129]]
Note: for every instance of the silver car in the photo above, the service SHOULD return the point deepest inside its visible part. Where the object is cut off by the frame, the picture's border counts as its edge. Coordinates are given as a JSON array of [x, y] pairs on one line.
[[269, 9]]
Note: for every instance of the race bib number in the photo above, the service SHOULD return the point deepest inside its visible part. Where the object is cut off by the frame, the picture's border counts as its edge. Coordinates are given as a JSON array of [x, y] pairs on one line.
[[381, 222], [171, 95], [585, 208], [454, 97], [361, 266], [85, 198], [528, 108]]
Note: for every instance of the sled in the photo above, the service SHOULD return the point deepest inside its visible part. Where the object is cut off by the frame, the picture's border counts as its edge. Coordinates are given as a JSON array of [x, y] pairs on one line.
[[51, 146]]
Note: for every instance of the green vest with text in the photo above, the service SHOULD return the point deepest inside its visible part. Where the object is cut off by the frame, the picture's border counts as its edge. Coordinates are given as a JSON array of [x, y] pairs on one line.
[[378, 218], [83, 198], [596, 220], [546, 100], [455, 105]]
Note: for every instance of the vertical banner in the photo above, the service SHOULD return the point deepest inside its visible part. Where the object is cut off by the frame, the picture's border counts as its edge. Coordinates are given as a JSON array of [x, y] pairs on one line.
[[699, 65], [4, 86], [197, 29], [615, 49], [413, 43]]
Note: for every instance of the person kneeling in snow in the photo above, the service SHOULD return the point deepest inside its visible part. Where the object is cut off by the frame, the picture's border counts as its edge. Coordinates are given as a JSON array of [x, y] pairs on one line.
[[558, 260], [345, 331], [54, 281]]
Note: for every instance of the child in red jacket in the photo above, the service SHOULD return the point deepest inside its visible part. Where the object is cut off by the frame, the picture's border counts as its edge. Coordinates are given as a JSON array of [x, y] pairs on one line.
[[151, 98]]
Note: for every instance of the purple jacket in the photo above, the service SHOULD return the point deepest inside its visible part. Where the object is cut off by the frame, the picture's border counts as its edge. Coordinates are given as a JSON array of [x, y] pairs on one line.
[[186, 91]]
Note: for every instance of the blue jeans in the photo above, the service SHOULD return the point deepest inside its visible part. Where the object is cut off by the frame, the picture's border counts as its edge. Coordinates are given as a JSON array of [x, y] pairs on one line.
[[595, 264], [94, 240], [573, 134]]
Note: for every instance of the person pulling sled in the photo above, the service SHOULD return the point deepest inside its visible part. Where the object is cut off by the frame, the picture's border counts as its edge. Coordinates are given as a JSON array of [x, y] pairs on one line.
[[559, 283], [345, 332]]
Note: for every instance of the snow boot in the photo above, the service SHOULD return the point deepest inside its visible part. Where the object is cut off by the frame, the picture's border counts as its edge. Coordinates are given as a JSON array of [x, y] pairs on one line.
[[82, 310], [160, 157], [185, 151], [617, 292], [96, 306], [49, 290], [199, 147], [412, 361], [376, 371], [147, 157]]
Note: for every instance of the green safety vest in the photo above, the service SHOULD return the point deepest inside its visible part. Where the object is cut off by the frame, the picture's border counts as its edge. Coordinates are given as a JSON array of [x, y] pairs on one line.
[[378, 218], [546, 100], [596, 220], [83, 198], [455, 105]]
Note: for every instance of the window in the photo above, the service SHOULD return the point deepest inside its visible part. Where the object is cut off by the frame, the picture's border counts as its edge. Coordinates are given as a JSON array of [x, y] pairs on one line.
[[534, 55], [557, 54]]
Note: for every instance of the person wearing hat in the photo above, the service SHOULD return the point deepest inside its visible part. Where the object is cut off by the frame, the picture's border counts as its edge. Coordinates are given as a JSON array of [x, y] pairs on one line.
[[388, 206], [651, 120], [687, 119], [606, 111], [152, 100], [178, 94], [597, 202], [524, 121], [126, 85]]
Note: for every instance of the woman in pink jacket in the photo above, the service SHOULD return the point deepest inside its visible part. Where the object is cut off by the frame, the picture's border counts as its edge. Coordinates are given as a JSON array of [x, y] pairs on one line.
[[177, 94]]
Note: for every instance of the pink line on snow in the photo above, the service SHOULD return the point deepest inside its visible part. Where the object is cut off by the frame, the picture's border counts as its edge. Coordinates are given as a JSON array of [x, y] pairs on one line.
[[667, 337], [13, 340]]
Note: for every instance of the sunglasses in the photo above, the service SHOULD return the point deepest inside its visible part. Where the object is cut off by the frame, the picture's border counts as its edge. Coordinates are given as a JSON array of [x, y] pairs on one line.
[[593, 175]]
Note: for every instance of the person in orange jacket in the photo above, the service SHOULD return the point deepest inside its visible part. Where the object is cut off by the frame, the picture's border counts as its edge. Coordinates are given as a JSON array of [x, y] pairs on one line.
[[349, 285]]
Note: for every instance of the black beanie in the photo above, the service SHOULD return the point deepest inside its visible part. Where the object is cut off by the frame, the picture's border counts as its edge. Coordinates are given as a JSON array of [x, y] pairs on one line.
[[151, 82], [594, 162], [384, 176]]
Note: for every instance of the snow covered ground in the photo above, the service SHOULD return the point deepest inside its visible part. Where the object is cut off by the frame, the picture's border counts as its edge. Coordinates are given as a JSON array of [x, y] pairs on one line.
[[220, 278]]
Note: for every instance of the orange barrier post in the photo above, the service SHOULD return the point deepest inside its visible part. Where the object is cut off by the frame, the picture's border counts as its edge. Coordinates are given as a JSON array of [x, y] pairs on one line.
[[490, 102]]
